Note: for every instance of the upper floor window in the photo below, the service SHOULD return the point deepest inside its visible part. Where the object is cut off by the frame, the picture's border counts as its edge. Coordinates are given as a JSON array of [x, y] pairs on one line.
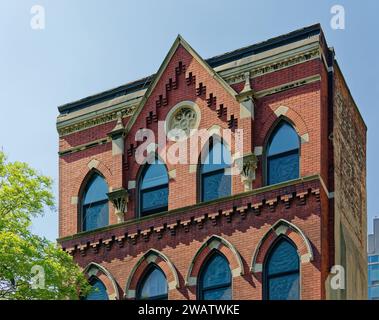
[[153, 285], [215, 279], [281, 272], [95, 204], [153, 189], [98, 292], [283, 154], [215, 183]]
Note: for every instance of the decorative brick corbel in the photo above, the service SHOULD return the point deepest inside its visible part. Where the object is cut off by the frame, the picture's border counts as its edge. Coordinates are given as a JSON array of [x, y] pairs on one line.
[[257, 208], [286, 199], [186, 224], [200, 221], [272, 203], [213, 217], [120, 241], [302, 197], [95, 246], [316, 192], [146, 234], [108, 243], [228, 215], [159, 231], [119, 198], [172, 228], [82, 249], [247, 166]]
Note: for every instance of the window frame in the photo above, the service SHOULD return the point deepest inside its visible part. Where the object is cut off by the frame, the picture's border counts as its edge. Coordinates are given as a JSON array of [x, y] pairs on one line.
[[266, 277], [200, 185], [140, 191], [81, 206], [150, 268], [91, 281], [200, 287], [267, 144]]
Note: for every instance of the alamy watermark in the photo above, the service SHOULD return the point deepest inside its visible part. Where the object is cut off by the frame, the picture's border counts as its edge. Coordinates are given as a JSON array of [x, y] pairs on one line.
[[338, 19], [38, 19]]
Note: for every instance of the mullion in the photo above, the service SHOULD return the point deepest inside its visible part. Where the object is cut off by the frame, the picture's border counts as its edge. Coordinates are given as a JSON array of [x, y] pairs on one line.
[[217, 286]]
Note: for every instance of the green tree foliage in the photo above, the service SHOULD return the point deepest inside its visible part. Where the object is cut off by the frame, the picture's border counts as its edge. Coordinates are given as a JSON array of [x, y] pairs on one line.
[[31, 267]]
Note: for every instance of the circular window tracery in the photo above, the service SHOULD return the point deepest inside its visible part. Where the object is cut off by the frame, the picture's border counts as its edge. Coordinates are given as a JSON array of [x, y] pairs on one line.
[[183, 118]]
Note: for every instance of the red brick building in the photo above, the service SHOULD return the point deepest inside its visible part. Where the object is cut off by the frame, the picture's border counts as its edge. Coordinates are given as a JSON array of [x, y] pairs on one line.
[[194, 231]]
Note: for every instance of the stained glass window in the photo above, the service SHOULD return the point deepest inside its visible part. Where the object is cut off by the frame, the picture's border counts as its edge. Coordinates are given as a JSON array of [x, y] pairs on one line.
[[215, 279], [153, 285], [95, 204], [283, 154], [154, 189], [98, 292], [214, 182], [281, 271]]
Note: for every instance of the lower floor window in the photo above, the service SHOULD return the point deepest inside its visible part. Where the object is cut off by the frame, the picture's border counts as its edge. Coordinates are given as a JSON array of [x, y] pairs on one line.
[[153, 285], [215, 279], [98, 292], [282, 272]]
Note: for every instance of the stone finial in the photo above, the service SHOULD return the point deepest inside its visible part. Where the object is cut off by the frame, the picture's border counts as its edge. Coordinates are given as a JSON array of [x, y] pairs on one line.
[[118, 130], [119, 198]]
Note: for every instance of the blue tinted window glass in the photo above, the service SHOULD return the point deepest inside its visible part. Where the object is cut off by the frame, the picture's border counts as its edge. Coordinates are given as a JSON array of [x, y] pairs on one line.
[[154, 285], [217, 158], [373, 293], [154, 188], [155, 175], [373, 273], [283, 154], [216, 279], [282, 272], [96, 190], [372, 259], [285, 138], [284, 258], [95, 204], [216, 185], [98, 292], [284, 287], [283, 168], [154, 199], [95, 215], [216, 272], [218, 294]]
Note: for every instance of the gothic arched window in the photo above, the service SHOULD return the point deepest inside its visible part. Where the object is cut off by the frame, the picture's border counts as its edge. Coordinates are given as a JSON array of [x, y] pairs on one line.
[[98, 292], [215, 183], [281, 272], [283, 154], [215, 279], [153, 285], [95, 212], [153, 189]]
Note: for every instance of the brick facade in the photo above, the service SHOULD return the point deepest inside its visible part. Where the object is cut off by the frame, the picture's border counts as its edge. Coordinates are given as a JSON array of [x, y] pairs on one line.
[[243, 226]]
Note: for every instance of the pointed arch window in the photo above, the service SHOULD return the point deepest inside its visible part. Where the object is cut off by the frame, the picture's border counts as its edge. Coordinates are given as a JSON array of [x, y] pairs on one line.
[[283, 156], [153, 285], [153, 189], [281, 272], [215, 278], [215, 182], [98, 292], [95, 211]]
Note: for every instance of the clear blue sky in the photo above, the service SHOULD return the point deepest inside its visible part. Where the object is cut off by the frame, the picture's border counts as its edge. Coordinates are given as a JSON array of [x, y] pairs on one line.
[[90, 46]]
